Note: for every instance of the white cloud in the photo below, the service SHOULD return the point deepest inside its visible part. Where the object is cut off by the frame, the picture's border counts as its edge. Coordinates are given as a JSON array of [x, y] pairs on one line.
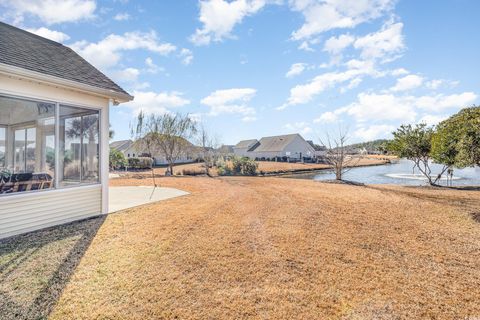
[[128, 75], [50, 34], [296, 69], [434, 84], [441, 101], [399, 72], [385, 45], [186, 55], [385, 107], [152, 67], [388, 107], [327, 117], [336, 45], [50, 11], [231, 101], [431, 119], [304, 93], [324, 15], [122, 17], [107, 52], [153, 102], [374, 132], [219, 17], [412, 81], [298, 127]]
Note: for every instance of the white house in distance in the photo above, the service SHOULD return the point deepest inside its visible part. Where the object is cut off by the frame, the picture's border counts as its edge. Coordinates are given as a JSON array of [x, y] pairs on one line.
[[131, 149], [54, 125], [284, 147]]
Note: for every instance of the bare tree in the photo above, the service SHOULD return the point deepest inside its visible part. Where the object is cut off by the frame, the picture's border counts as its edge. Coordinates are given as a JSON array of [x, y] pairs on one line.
[[165, 134], [336, 153], [208, 147]]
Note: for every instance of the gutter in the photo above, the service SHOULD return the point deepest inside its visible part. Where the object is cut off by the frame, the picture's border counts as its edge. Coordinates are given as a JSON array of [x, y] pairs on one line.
[[22, 73]]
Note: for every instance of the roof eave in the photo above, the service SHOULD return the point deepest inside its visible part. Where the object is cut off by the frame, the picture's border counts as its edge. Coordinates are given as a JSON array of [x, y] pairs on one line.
[[118, 97]]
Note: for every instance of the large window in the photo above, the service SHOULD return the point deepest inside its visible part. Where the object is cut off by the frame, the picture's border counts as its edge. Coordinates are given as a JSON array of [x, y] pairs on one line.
[[79, 149], [29, 145]]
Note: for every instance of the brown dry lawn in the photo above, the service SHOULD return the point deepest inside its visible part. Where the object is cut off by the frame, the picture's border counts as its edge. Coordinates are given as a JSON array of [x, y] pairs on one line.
[[272, 248]]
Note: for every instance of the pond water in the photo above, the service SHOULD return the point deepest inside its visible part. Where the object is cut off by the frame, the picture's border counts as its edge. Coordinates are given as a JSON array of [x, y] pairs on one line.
[[397, 173]]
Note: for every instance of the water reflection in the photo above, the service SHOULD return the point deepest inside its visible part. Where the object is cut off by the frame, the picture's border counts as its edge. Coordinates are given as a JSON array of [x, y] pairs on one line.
[[398, 173]]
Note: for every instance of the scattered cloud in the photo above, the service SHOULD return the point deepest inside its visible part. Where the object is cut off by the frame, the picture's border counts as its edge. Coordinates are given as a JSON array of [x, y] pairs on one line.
[[399, 72], [335, 45], [128, 75], [231, 101], [50, 34], [219, 18], [108, 52], [383, 107], [412, 81], [296, 69], [298, 127], [122, 16], [50, 11], [153, 102], [431, 119], [325, 15], [374, 132], [305, 93], [440, 102], [152, 67], [385, 45], [186, 55]]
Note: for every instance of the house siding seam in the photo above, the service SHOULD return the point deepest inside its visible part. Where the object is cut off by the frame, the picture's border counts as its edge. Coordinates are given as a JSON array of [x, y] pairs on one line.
[[38, 210]]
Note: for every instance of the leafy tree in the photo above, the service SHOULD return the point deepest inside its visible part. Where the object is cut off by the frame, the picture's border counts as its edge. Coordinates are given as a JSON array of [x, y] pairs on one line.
[[116, 159], [415, 144], [457, 140], [165, 134]]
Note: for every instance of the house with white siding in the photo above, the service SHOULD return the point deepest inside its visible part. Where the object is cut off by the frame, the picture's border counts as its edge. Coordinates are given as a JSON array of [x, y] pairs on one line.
[[54, 133], [135, 149], [280, 148]]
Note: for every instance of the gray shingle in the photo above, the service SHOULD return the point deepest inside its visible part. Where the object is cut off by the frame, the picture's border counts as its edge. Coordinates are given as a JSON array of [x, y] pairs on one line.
[[275, 143], [26, 50]]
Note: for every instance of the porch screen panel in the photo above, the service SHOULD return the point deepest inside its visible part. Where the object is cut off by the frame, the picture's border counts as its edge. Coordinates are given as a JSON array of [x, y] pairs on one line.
[[79, 145], [27, 145]]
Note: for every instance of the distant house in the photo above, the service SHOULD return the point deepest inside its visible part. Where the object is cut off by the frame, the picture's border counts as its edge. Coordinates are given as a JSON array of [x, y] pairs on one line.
[[121, 146], [134, 149], [54, 133], [226, 149], [243, 148], [282, 148]]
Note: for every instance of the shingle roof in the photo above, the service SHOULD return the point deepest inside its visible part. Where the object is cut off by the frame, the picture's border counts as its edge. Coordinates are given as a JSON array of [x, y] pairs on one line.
[[26, 50], [121, 145], [275, 143], [246, 143]]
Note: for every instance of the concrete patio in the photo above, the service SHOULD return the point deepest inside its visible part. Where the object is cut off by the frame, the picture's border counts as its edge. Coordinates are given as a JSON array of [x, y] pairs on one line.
[[121, 198]]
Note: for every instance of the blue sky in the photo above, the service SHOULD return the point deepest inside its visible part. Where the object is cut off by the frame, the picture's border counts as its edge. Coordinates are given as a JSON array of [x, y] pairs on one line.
[[253, 68]]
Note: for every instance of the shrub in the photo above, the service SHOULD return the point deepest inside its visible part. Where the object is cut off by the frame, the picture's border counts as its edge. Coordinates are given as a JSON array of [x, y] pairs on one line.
[[192, 172], [140, 163], [240, 166], [249, 167]]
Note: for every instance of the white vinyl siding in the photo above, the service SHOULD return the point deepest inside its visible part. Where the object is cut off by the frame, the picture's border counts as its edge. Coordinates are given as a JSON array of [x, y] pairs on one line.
[[37, 210]]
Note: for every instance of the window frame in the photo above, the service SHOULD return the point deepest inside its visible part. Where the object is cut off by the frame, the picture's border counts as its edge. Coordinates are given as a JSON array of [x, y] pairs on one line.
[[57, 103], [57, 150]]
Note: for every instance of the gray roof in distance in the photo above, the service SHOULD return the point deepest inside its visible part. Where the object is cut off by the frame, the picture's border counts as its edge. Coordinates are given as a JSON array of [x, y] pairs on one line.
[[245, 144], [121, 145], [275, 143], [20, 48]]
